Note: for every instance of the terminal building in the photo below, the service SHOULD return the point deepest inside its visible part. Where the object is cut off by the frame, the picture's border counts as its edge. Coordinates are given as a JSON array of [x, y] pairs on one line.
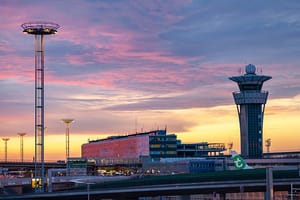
[[154, 152], [155, 144]]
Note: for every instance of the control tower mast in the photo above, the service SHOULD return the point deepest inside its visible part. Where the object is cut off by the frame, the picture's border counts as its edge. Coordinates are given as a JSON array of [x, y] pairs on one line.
[[250, 102]]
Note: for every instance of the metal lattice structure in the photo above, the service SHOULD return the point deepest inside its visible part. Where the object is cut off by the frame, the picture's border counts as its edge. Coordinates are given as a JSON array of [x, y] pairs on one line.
[[39, 29]]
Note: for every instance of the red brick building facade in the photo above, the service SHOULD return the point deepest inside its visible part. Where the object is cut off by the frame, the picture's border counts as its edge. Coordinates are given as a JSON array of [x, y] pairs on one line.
[[132, 146]]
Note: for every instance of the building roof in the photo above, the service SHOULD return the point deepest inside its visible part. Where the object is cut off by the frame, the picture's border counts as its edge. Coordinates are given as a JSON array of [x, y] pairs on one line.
[[250, 77], [155, 132]]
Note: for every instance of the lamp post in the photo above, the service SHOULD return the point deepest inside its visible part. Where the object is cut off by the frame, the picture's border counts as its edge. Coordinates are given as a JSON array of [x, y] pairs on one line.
[[67, 122], [21, 146], [5, 148], [39, 30]]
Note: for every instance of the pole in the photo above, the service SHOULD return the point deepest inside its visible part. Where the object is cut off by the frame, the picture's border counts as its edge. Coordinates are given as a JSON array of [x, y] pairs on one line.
[[67, 142], [269, 184], [88, 190], [292, 194], [68, 122], [21, 146], [5, 148]]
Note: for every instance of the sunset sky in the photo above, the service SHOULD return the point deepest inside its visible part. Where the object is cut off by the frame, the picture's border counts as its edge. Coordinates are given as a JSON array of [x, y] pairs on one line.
[[118, 67]]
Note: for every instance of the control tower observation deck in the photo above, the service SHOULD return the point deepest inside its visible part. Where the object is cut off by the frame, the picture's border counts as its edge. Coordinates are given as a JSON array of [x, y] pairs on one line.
[[250, 102]]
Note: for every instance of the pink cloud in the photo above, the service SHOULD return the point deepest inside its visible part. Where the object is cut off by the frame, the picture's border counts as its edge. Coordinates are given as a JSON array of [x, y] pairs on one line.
[[113, 45], [16, 67], [136, 78]]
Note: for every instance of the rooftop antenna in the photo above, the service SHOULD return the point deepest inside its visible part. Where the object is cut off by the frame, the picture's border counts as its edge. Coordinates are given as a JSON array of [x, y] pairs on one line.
[[39, 29], [268, 144], [135, 124], [21, 146], [142, 128], [230, 145]]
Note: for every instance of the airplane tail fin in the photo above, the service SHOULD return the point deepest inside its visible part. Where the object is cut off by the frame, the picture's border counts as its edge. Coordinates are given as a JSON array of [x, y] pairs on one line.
[[239, 162]]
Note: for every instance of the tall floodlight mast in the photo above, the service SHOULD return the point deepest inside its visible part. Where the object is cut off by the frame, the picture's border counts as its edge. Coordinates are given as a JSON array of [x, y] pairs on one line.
[[5, 148], [39, 29], [21, 146], [67, 122]]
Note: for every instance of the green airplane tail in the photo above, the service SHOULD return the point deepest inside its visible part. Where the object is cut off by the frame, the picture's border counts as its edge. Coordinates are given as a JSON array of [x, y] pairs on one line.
[[239, 162]]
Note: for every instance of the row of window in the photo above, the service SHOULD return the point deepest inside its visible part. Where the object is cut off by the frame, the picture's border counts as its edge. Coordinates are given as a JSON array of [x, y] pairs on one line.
[[163, 152], [202, 165], [164, 138], [157, 146]]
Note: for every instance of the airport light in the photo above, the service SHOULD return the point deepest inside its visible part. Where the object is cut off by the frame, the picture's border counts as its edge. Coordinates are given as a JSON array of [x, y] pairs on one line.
[[5, 148], [68, 123], [21, 146], [39, 29]]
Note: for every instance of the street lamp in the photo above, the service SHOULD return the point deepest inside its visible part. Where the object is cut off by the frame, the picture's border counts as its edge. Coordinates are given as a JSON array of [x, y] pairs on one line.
[[21, 146], [67, 122], [5, 148]]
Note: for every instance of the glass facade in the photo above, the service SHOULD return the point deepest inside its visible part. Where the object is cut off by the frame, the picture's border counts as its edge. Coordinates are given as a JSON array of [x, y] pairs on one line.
[[255, 130], [203, 149], [163, 146]]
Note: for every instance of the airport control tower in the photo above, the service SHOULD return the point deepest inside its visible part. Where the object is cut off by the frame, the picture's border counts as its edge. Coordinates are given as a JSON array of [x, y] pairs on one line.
[[250, 102]]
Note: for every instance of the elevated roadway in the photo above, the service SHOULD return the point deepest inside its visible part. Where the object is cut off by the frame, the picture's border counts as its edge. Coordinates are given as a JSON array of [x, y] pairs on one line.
[[184, 184], [163, 190], [15, 166]]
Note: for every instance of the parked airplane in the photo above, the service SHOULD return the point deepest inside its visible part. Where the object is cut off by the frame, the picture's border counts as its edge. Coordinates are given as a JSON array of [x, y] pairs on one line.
[[239, 162]]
